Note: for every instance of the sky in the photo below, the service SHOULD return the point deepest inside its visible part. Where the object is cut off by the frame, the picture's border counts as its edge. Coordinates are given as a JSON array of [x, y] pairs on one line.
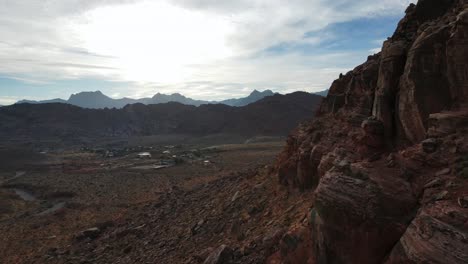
[[204, 49]]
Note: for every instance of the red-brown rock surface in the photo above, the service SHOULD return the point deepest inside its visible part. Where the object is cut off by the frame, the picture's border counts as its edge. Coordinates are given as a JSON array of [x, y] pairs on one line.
[[387, 157]]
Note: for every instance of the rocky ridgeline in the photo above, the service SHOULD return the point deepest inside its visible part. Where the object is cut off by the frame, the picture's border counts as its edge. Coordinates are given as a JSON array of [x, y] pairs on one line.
[[387, 156], [74, 125]]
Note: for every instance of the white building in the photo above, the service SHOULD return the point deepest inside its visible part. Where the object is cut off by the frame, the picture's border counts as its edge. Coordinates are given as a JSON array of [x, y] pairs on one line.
[[144, 155]]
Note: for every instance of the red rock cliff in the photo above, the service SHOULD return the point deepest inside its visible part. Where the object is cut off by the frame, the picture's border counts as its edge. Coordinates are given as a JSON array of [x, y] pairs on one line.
[[387, 156]]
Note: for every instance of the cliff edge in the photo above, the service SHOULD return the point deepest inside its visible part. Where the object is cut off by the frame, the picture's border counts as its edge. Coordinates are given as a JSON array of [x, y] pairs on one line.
[[387, 155]]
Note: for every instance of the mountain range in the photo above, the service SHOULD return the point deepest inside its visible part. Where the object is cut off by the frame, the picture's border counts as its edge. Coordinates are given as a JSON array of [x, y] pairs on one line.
[[98, 100], [273, 115]]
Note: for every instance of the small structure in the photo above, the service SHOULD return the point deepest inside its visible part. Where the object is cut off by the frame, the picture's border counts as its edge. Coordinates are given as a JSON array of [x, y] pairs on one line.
[[144, 155]]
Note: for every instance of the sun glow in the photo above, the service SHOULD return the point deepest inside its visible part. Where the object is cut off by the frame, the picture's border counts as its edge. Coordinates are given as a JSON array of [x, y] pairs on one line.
[[154, 42]]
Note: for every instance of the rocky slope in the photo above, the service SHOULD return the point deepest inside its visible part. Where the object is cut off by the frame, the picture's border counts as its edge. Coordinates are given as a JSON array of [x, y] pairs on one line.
[[387, 156], [272, 116]]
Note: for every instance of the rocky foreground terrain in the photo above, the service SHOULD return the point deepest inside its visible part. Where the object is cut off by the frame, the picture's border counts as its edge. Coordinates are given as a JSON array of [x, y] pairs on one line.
[[80, 207]]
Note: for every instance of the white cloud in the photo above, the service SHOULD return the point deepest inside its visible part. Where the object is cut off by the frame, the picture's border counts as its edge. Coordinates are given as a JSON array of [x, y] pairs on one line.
[[375, 50], [172, 45], [8, 100]]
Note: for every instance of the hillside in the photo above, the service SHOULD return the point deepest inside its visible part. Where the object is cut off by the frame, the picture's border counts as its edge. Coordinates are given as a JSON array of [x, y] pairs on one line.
[[274, 115], [98, 100]]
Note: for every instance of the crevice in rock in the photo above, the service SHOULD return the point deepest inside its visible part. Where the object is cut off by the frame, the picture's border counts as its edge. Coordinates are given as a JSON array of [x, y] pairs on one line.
[[387, 256]]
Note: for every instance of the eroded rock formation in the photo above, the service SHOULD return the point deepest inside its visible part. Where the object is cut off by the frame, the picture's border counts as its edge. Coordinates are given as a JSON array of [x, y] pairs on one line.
[[387, 157]]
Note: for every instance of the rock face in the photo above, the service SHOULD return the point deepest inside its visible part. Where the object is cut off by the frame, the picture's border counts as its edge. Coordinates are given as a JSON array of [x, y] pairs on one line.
[[375, 154], [355, 90], [437, 230], [423, 68], [363, 217]]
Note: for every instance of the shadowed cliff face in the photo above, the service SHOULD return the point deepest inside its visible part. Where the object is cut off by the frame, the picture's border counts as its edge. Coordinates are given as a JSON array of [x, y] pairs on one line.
[[422, 69], [387, 156]]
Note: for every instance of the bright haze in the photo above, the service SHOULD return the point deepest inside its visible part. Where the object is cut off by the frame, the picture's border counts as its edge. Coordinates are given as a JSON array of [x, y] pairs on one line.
[[204, 49]]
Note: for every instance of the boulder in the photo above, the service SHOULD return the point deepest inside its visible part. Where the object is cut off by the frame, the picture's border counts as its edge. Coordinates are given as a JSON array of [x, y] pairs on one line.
[[295, 247], [463, 201], [271, 240], [358, 220], [440, 196], [222, 255], [434, 183], [373, 133], [443, 172], [429, 145], [91, 233], [445, 123], [438, 234]]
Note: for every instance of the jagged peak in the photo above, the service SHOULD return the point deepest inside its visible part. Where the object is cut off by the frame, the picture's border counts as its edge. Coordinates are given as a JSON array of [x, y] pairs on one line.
[[86, 93], [257, 92]]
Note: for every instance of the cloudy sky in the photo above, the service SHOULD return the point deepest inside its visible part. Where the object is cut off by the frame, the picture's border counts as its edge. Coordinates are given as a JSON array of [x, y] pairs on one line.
[[204, 49]]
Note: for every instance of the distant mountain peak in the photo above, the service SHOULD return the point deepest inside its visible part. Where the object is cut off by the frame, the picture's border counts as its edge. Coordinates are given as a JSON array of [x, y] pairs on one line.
[[96, 100], [89, 92], [178, 95], [265, 92], [254, 96], [254, 92]]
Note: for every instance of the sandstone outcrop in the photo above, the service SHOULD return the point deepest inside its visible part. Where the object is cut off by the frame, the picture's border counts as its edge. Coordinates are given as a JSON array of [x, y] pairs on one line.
[[386, 156], [360, 216]]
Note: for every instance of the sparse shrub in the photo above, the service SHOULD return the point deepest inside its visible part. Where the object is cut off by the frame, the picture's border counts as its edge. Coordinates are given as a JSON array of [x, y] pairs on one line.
[[465, 157], [361, 175], [5, 209], [461, 166], [463, 173]]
